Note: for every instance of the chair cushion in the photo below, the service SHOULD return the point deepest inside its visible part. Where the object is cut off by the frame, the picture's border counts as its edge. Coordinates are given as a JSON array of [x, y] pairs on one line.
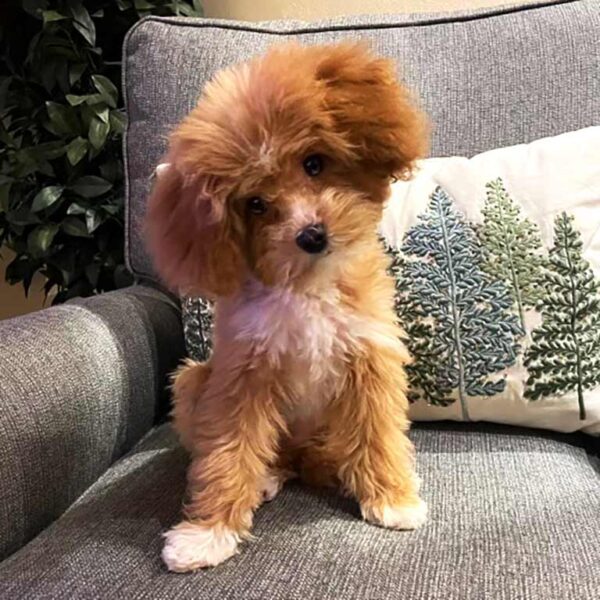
[[514, 514], [487, 78], [80, 385]]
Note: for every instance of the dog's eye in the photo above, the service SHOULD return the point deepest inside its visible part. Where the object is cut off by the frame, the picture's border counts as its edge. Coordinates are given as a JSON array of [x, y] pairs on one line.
[[256, 205], [313, 165]]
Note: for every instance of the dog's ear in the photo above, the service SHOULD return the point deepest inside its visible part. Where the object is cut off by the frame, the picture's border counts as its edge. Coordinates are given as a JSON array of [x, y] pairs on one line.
[[371, 109], [190, 234]]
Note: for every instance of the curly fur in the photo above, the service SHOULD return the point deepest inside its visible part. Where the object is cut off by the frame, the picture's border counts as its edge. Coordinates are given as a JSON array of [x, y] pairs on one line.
[[307, 375]]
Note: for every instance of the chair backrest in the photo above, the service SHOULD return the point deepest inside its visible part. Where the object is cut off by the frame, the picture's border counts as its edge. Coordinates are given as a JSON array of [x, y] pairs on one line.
[[487, 78]]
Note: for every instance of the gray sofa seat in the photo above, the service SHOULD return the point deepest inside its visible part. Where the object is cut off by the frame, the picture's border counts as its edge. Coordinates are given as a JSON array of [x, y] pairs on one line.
[[513, 514]]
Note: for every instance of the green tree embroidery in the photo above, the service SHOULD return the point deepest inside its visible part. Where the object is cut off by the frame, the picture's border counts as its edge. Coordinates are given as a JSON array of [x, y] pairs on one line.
[[413, 319], [565, 353], [512, 246], [460, 326]]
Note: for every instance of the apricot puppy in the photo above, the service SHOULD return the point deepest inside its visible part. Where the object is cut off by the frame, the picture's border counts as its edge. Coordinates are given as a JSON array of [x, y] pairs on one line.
[[269, 204]]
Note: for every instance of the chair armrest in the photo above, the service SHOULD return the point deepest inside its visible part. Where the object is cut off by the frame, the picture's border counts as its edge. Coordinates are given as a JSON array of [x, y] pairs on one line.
[[79, 385]]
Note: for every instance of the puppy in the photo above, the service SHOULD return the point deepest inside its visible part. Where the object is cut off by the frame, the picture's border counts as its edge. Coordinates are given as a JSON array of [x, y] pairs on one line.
[[270, 205]]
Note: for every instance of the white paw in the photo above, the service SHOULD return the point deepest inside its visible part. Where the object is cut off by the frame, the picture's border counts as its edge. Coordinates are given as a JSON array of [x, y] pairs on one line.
[[189, 547], [272, 485], [407, 516]]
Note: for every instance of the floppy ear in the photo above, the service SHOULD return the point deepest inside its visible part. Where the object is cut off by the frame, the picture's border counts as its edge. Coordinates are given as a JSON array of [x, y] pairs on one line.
[[372, 109], [190, 234]]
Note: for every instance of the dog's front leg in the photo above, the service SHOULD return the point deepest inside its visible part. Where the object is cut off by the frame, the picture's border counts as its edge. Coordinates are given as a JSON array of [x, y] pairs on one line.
[[368, 440], [235, 434]]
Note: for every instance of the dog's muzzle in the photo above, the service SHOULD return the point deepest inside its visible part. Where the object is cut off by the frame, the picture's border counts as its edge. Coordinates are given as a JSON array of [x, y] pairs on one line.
[[313, 238]]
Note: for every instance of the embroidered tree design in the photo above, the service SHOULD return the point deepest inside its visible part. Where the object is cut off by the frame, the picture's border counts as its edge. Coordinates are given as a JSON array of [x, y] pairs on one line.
[[565, 353], [461, 329], [413, 319], [512, 247], [197, 317]]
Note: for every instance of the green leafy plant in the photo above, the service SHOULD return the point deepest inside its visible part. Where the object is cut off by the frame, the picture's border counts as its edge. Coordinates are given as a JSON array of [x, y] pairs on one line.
[[61, 124], [461, 330], [512, 246], [565, 353]]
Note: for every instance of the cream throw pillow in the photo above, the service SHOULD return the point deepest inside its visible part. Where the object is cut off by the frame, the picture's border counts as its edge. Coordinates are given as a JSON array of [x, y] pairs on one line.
[[497, 260]]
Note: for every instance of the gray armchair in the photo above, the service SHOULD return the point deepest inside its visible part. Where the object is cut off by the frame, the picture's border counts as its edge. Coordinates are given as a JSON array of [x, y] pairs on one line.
[[90, 475], [80, 385]]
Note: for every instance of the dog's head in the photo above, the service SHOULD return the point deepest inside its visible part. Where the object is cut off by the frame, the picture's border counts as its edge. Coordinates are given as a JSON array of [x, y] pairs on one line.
[[281, 170]]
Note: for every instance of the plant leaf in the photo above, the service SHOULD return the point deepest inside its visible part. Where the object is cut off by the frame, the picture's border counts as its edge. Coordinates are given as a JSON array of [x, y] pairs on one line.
[[5, 196], [46, 197], [6, 137], [48, 74], [76, 150], [50, 16], [63, 262], [93, 99], [47, 150], [75, 227], [76, 209], [143, 5], [63, 118], [90, 186], [93, 153], [101, 111], [107, 89], [92, 220], [40, 239], [198, 7], [83, 22], [75, 72], [45, 168], [4, 86], [98, 132], [112, 209], [74, 100], [20, 269], [22, 216], [182, 8], [118, 121], [124, 4]]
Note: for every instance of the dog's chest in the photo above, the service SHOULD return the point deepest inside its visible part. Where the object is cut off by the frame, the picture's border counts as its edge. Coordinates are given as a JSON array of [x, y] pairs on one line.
[[303, 338]]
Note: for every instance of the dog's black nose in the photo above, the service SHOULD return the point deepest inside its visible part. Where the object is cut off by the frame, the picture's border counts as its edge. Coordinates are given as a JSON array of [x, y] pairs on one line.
[[313, 238]]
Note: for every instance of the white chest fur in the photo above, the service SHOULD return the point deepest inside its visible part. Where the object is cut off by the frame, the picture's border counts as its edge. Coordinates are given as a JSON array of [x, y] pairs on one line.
[[281, 323], [304, 335]]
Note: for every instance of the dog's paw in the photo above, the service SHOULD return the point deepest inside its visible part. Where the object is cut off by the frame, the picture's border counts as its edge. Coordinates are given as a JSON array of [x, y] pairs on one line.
[[189, 547], [271, 486], [401, 516]]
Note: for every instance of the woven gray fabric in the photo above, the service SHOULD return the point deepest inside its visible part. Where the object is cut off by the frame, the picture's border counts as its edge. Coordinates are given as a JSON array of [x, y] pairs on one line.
[[488, 79], [514, 515], [79, 386]]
